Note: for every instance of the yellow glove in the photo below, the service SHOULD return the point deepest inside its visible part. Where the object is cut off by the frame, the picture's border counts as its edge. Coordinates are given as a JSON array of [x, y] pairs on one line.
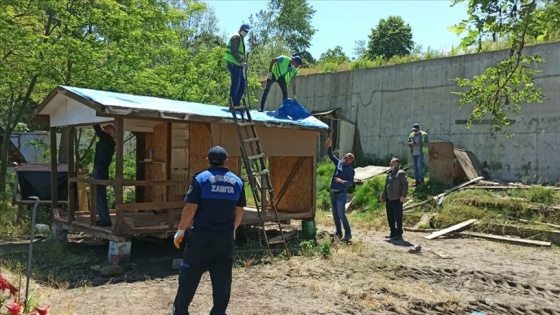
[[178, 239]]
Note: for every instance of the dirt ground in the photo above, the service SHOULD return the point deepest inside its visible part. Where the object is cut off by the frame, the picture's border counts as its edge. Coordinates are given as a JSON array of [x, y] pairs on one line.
[[370, 276]]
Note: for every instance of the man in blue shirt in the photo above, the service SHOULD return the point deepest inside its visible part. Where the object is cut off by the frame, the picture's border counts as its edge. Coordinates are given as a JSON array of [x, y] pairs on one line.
[[343, 177], [213, 212]]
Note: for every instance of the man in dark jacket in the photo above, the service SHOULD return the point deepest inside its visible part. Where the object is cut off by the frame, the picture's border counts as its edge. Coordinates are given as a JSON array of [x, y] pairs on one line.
[[394, 194], [104, 151]]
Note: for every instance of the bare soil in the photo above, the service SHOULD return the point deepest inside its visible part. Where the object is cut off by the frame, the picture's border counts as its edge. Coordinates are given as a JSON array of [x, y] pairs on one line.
[[369, 276]]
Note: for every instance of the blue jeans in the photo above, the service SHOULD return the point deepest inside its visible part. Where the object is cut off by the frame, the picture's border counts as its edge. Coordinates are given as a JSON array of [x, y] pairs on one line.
[[338, 203], [237, 83], [418, 162], [101, 172], [206, 252]]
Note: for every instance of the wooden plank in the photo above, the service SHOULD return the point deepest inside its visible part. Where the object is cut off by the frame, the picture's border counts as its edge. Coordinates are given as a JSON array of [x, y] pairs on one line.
[[289, 179], [54, 170], [541, 223], [72, 187], [507, 239], [150, 206], [119, 160], [435, 198], [365, 173], [407, 229], [279, 237], [450, 229]]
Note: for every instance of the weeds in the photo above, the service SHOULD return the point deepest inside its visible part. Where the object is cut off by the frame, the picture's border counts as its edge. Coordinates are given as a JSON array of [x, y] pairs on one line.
[[312, 248]]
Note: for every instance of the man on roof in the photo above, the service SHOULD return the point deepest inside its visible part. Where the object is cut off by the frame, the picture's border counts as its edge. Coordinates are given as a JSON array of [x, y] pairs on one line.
[[236, 62], [282, 70]]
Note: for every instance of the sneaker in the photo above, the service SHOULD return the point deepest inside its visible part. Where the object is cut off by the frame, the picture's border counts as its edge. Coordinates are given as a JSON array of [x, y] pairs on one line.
[[347, 238], [396, 238], [338, 235], [389, 236], [260, 110]]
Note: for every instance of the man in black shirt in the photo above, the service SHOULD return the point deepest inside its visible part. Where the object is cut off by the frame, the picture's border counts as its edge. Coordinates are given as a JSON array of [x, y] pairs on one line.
[[104, 150]]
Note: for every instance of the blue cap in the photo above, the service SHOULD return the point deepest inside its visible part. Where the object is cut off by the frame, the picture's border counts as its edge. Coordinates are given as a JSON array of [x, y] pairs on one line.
[[217, 155], [298, 60], [245, 27]]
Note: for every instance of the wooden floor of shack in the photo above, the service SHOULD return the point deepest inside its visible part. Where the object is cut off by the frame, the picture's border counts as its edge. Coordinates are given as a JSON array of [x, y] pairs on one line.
[[82, 223]]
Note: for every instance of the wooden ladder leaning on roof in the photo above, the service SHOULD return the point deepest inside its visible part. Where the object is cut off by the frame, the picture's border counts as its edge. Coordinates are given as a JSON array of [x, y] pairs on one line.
[[255, 164]]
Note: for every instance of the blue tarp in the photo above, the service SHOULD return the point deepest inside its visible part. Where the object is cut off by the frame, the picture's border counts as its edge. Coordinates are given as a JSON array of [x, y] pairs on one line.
[[126, 101], [290, 109]]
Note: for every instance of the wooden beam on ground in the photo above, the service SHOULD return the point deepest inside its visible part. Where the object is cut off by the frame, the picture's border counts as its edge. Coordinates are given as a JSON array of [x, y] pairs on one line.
[[279, 237], [450, 229], [407, 229], [435, 198], [541, 223], [507, 239]]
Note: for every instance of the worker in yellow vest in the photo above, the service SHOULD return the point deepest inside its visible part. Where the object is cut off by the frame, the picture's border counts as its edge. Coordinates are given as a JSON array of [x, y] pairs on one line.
[[236, 62], [282, 70]]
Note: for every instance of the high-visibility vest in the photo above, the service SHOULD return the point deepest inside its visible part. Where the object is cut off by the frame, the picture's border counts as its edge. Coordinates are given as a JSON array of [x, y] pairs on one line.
[[283, 69], [423, 136], [241, 50]]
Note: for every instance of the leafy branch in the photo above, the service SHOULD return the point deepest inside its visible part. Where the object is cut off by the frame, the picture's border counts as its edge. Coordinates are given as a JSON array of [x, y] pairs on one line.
[[501, 89]]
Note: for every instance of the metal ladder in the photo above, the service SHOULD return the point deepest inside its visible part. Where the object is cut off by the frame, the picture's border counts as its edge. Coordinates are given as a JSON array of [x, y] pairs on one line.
[[259, 176]]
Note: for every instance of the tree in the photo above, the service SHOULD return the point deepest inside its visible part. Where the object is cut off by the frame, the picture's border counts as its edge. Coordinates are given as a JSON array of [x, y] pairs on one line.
[[390, 38], [288, 19], [283, 28], [335, 55], [501, 89], [130, 46]]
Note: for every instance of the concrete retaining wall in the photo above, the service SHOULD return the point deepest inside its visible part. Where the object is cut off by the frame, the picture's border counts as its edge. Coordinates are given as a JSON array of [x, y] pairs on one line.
[[384, 102]]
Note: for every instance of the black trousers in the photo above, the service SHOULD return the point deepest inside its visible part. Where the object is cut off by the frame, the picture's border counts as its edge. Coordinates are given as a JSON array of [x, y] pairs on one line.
[[283, 86], [394, 210], [206, 252]]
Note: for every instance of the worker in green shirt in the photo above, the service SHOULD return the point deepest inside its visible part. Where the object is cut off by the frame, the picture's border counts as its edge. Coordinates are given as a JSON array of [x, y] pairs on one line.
[[282, 70]]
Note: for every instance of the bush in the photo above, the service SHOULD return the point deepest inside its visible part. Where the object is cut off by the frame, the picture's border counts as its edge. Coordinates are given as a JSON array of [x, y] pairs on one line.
[[366, 196]]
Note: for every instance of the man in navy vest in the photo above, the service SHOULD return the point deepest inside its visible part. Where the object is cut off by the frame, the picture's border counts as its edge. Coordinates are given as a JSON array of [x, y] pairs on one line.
[[213, 212]]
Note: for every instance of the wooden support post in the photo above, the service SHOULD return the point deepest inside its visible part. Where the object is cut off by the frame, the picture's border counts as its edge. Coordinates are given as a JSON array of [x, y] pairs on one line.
[[119, 165], [54, 171], [71, 174], [93, 205]]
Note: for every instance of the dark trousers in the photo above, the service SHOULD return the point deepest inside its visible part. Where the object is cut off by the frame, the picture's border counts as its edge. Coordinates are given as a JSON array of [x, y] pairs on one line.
[[394, 210], [283, 86], [205, 252], [102, 172], [237, 87]]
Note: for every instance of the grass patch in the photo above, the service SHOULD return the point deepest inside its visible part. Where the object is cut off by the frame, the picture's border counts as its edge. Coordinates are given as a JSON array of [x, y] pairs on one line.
[[538, 194], [366, 196]]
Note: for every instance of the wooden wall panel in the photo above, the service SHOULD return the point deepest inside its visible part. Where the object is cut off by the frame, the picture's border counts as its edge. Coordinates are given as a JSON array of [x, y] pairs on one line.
[[157, 169], [199, 145], [299, 195]]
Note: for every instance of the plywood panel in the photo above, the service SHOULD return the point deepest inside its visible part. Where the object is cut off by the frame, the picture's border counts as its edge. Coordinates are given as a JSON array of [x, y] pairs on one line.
[[274, 141], [299, 195], [442, 162], [199, 144], [156, 169]]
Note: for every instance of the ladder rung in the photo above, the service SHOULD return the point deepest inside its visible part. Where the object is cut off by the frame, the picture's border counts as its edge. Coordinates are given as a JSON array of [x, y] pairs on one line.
[[239, 108], [246, 124], [254, 157], [261, 173], [276, 242], [250, 140]]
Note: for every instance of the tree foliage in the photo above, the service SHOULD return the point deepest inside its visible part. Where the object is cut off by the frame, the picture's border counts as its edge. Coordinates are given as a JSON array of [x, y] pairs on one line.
[[501, 89], [335, 55], [147, 47], [391, 37], [283, 28]]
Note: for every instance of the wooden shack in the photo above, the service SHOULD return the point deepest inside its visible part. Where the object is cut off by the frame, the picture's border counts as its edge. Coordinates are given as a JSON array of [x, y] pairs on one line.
[[179, 135]]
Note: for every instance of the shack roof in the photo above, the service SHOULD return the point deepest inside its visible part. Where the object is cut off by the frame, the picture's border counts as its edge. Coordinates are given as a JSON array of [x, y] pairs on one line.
[[67, 106]]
